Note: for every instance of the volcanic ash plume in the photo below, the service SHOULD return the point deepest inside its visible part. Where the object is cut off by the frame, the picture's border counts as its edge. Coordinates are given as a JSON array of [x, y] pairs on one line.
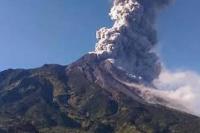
[[129, 44], [180, 87], [131, 40]]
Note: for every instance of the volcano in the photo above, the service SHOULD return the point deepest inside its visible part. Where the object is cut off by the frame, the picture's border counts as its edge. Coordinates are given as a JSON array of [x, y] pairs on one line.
[[84, 97], [108, 90]]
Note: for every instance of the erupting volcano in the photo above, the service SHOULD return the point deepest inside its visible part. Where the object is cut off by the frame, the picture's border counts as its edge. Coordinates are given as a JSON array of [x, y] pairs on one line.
[[117, 88]]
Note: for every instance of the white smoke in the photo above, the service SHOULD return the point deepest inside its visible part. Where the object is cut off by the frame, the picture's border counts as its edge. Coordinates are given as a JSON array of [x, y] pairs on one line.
[[179, 90], [182, 87]]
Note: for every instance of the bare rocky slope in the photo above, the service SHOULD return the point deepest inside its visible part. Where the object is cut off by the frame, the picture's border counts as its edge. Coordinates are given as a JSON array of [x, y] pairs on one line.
[[84, 97]]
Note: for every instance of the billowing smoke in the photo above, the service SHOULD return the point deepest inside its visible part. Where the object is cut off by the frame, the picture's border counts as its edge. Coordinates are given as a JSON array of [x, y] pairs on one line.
[[177, 89], [182, 87], [131, 40], [130, 44]]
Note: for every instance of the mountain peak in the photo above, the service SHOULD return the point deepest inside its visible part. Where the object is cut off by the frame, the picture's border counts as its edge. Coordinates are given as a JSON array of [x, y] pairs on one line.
[[57, 98]]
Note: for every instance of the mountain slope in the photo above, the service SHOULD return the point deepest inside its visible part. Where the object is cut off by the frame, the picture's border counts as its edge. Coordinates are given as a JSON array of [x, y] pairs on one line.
[[56, 99]]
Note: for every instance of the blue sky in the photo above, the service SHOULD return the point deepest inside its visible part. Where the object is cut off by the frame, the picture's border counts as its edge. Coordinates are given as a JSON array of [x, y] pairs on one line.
[[36, 32]]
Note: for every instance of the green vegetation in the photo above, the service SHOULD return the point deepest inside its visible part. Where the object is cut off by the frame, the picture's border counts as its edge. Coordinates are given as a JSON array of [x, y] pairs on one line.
[[48, 100]]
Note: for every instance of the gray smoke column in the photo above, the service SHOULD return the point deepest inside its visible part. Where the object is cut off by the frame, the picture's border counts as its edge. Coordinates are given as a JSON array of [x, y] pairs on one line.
[[131, 40]]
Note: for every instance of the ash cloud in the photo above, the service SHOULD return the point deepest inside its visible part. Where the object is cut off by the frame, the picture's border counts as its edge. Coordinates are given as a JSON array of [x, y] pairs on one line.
[[181, 87], [131, 40], [130, 44]]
